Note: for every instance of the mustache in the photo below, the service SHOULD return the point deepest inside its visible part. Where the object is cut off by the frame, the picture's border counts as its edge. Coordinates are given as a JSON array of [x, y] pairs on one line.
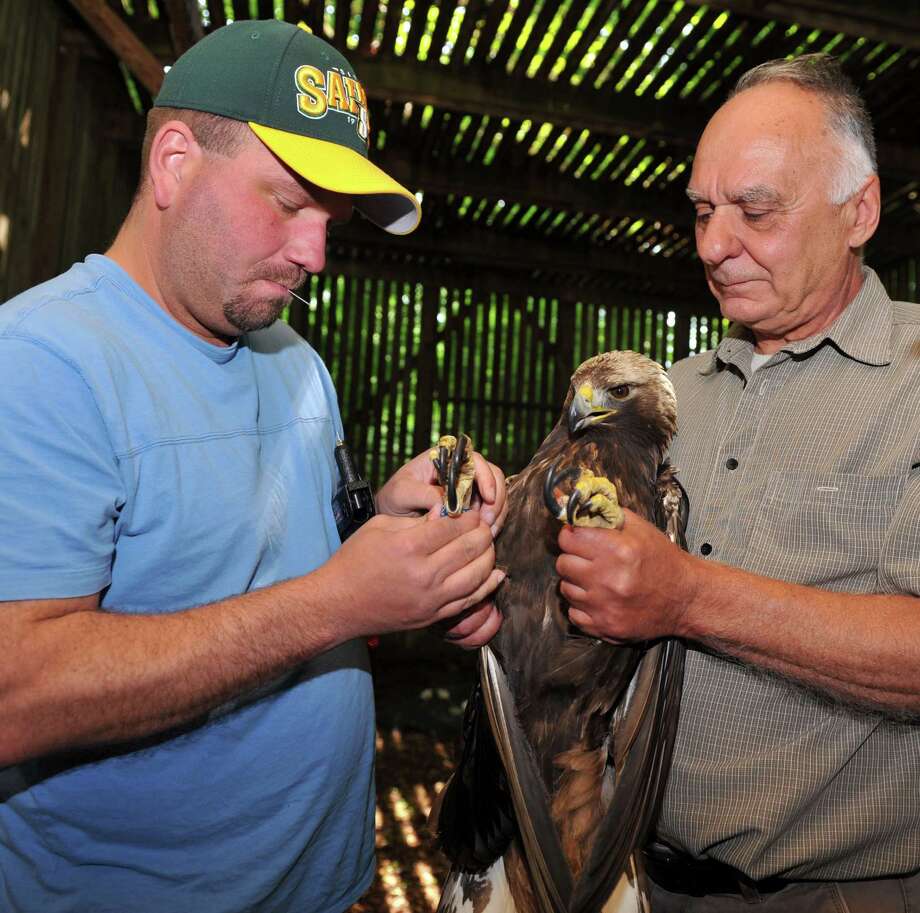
[[726, 278], [291, 279]]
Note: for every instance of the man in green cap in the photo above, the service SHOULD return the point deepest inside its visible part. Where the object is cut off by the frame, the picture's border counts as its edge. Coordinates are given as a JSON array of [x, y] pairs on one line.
[[186, 717]]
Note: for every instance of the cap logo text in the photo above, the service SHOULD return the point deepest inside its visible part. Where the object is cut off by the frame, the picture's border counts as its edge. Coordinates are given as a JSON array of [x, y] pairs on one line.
[[319, 92]]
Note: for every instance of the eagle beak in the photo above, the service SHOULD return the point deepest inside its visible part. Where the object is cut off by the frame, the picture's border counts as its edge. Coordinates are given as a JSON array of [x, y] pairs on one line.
[[585, 410]]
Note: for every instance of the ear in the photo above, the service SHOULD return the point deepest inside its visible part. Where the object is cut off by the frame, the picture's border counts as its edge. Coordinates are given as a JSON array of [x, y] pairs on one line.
[[867, 207], [174, 156]]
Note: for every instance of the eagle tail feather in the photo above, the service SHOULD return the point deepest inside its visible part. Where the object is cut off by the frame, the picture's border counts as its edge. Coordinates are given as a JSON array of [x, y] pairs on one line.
[[550, 876], [473, 816], [484, 892], [640, 782]]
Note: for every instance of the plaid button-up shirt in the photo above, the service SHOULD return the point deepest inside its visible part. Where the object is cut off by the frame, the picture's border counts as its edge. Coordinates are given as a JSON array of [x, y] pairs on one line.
[[807, 470]]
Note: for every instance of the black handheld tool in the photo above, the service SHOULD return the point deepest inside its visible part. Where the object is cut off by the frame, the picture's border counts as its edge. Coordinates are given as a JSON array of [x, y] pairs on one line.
[[354, 501]]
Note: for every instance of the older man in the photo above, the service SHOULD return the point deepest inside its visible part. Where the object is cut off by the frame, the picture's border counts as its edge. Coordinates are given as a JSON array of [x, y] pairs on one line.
[[795, 775], [186, 716]]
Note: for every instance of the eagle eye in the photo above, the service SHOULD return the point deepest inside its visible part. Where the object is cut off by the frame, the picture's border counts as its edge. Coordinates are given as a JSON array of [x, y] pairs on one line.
[[620, 391]]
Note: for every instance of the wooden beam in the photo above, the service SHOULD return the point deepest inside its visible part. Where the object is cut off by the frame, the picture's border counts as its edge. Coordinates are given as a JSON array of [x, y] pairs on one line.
[[534, 185], [128, 48], [898, 25], [603, 112], [185, 27], [495, 93], [893, 241], [482, 247], [571, 274], [538, 185], [596, 290]]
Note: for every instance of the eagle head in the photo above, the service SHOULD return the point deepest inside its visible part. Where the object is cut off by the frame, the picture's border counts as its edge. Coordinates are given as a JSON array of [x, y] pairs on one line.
[[622, 389]]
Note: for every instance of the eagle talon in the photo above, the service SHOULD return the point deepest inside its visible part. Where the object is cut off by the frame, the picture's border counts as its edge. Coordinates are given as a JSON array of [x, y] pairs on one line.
[[456, 471], [455, 474], [572, 505], [439, 458], [553, 480], [592, 502]]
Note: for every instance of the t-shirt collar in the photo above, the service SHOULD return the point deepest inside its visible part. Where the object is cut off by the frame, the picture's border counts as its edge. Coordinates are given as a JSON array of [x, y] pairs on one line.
[[217, 354]]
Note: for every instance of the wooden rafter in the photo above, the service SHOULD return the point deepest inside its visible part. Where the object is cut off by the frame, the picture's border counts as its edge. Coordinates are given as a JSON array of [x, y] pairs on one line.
[[495, 93], [513, 184], [539, 186], [487, 248], [668, 207], [184, 24], [592, 287], [603, 112], [894, 23], [497, 259], [129, 49]]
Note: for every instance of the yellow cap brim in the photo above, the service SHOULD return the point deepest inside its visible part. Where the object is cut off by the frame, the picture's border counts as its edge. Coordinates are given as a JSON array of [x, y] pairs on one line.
[[342, 170]]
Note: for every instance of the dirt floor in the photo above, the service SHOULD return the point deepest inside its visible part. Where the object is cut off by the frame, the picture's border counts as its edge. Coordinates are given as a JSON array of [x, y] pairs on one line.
[[421, 686]]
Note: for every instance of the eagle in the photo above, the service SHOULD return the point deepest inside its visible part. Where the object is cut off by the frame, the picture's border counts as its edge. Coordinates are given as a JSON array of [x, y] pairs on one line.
[[567, 739]]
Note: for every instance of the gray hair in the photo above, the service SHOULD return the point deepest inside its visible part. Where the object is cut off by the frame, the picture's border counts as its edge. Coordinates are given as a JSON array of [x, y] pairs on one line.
[[847, 114]]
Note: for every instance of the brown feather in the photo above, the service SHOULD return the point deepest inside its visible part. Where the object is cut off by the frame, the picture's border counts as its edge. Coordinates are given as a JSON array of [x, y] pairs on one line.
[[572, 693]]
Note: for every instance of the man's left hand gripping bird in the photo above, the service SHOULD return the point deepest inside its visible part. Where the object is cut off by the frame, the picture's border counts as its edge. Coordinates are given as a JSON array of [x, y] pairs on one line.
[[567, 739]]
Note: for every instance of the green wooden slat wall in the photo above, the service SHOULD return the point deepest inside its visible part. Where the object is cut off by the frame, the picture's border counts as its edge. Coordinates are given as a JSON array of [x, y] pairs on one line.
[[499, 370]]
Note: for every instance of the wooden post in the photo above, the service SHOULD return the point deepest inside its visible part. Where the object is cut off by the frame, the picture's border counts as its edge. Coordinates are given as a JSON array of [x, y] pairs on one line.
[[427, 370], [681, 336], [565, 349]]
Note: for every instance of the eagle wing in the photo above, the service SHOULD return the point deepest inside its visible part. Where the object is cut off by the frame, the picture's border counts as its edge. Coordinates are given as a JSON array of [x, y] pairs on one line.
[[642, 734]]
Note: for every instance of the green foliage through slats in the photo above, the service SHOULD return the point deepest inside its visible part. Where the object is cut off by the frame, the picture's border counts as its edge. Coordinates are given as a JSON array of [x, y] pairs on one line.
[[500, 362]]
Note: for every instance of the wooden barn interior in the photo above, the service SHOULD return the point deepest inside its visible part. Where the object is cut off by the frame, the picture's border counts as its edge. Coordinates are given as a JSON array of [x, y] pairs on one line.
[[549, 142]]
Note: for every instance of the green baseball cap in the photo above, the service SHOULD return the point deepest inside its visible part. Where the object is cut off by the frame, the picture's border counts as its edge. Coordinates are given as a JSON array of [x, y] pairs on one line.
[[302, 99]]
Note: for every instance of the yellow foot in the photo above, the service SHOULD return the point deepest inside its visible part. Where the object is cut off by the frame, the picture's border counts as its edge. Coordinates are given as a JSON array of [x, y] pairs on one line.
[[592, 501], [453, 459]]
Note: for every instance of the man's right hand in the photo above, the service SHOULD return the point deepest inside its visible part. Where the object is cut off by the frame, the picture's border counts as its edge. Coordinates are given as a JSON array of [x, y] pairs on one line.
[[401, 573]]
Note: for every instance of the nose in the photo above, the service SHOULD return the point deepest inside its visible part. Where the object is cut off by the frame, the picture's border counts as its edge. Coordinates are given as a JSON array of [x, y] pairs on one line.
[[716, 238], [307, 242]]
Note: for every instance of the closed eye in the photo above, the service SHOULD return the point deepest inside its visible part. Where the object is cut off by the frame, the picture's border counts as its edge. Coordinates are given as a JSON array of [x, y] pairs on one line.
[[286, 206], [702, 216]]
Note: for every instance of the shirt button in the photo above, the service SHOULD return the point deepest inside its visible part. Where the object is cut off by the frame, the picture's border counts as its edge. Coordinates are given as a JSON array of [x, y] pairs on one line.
[[731, 463], [705, 549]]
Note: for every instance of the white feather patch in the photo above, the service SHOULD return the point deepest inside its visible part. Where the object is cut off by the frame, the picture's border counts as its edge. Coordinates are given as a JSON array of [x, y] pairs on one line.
[[488, 892]]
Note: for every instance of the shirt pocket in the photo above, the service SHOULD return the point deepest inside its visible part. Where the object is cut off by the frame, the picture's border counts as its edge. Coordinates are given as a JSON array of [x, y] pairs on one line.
[[823, 529]]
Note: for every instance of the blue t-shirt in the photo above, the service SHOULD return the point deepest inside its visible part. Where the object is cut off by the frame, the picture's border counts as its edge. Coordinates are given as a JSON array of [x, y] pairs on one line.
[[140, 461]]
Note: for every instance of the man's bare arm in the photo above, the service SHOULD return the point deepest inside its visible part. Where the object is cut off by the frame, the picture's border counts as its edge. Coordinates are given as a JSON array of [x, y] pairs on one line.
[[634, 584], [74, 675], [863, 650]]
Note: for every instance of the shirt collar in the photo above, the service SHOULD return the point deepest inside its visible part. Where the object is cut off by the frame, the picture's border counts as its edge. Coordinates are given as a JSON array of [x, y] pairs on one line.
[[734, 349], [862, 332]]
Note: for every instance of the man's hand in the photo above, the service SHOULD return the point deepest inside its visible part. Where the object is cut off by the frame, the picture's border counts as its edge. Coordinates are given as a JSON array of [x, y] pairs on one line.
[[477, 626], [401, 573], [414, 490], [625, 584]]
